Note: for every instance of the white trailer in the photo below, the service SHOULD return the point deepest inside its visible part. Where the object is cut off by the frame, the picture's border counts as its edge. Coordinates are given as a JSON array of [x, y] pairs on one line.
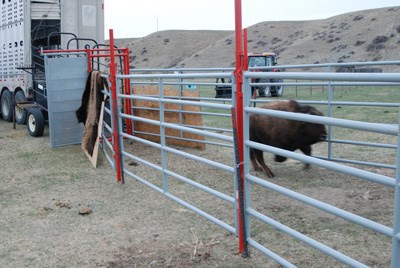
[[26, 26]]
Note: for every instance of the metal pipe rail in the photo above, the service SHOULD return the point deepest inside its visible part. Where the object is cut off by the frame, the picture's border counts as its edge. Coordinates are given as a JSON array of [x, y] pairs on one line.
[[321, 65], [362, 163], [175, 76], [181, 153], [181, 83], [343, 103], [370, 176], [188, 98], [363, 77], [270, 254], [177, 127], [199, 186], [180, 111], [328, 79], [109, 145], [210, 128], [181, 102], [182, 70], [185, 139], [377, 227], [355, 103], [183, 203], [346, 123], [303, 238], [304, 84], [44, 53], [361, 143]]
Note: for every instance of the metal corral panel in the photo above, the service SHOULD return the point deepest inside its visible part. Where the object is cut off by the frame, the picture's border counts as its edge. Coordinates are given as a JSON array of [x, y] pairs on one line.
[[66, 80]]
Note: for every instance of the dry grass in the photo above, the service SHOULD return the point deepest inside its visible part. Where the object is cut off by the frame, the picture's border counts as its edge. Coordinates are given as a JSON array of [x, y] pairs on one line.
[[43, 190]]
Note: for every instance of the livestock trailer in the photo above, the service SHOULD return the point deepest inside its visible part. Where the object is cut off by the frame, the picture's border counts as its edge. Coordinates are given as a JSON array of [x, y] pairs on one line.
[[26, 28]]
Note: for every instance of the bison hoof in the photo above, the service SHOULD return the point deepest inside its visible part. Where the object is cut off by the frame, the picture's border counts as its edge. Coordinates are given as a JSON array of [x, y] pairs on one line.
[[269, 174], [258, 169]]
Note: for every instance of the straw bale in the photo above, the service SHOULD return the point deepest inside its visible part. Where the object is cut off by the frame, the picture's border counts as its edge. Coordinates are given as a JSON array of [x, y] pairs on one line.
[[169, 116]]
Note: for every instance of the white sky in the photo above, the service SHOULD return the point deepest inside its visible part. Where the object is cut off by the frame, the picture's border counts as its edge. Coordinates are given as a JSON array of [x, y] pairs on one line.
[[138, 18]]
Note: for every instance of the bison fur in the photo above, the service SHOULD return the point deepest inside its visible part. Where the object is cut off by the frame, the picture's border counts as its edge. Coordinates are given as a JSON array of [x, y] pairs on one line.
[[283, 133]]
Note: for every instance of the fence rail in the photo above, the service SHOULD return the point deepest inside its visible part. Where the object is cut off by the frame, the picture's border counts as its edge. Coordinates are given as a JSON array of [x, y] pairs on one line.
[[221, 136], [252, 181]]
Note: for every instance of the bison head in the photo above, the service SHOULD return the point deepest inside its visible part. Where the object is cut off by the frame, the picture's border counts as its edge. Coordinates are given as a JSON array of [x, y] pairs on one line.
[[310, 132]]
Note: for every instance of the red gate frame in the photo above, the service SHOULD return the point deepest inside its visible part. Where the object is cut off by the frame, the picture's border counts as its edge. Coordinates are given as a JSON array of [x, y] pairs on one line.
[[241, 59], [111, 53]]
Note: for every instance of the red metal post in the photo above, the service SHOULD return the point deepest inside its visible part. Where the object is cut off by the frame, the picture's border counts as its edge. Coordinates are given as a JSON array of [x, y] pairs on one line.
[[239, 113], [127, 91], [113, 81], [89, 59], [245, 52]]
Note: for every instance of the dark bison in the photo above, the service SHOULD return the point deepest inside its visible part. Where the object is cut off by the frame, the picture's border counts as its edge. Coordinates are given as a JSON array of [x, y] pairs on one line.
[[283, 133]]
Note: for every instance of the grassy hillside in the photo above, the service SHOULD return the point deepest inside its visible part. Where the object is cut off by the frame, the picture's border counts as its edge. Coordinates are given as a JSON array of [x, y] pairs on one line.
[[368, 35]]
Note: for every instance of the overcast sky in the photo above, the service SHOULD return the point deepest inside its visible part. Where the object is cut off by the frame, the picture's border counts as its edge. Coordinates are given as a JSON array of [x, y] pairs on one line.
[[138, 18]]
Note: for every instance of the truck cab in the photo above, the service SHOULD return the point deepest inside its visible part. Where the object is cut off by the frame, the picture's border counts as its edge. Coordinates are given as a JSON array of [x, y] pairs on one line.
[[265, 59], [262, 59]]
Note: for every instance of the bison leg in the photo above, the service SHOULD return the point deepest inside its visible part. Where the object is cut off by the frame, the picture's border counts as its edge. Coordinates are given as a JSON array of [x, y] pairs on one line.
[[307, 151], [254, 163], [260, 159]]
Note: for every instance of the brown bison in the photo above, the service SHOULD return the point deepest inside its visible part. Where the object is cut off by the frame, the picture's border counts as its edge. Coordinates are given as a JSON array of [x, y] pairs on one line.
[[283, 133]]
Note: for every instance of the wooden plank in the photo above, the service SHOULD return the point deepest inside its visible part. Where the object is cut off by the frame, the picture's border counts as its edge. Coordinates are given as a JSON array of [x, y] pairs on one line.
[[93, 157]]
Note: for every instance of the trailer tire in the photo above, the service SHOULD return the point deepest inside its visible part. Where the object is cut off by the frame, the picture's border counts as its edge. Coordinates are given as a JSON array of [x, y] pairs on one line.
[[280, 88], [20, 114], [264, 91], [35, 122], [6, 106]]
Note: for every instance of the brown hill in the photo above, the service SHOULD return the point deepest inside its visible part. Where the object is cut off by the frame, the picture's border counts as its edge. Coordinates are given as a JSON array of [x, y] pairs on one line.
[[367, 35]]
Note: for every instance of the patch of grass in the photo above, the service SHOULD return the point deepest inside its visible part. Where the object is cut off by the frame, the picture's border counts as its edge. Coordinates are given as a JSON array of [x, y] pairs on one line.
[[27, 155], [40, 212], [383, 94]]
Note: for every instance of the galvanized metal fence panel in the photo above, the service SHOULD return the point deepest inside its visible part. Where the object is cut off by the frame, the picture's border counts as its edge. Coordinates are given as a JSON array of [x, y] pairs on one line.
[[65, 82], [252, 181], [222, 137], [215, 136]]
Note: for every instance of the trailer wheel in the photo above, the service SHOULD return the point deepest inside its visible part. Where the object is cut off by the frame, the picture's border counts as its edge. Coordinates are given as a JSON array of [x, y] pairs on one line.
[[6, 106], [20, 114], [280, 88], [35, 122], [264, 91]]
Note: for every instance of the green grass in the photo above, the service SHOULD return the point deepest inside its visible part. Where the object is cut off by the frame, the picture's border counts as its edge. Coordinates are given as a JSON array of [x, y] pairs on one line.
[[215, 121], [344, 93], [388, 115], [374, 94]]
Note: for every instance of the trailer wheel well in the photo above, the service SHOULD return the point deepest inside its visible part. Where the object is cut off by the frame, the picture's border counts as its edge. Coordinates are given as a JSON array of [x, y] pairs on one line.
[[19, 89], [2, 90]]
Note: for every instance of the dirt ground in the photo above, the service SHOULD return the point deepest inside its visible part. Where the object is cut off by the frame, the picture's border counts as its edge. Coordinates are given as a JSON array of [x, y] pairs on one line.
[[43, 190]]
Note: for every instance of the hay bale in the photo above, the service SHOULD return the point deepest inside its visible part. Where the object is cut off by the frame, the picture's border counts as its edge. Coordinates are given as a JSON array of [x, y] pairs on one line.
[[170, 117]]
